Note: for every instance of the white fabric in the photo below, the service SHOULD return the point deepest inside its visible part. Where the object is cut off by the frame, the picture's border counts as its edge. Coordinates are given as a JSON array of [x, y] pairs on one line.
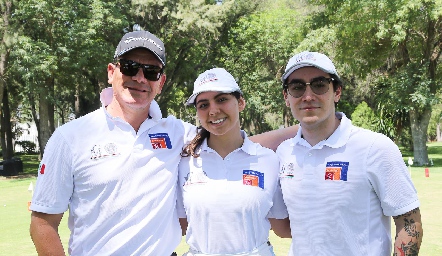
[[309, 59], [336, 214], [225, 215], [263, 250], [215, 79], [119, 185]]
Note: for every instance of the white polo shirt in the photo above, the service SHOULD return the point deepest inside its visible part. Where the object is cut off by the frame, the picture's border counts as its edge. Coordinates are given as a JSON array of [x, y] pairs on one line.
[[341, 193], [119, 185], [227, 201]]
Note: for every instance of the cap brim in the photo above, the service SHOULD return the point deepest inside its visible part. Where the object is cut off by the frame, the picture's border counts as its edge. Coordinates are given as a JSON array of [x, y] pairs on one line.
[[302, 65], [191, 100], [140, 47]]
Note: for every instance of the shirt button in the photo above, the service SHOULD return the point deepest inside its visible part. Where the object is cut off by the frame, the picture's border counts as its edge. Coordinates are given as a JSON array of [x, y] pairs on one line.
[[310, 154]]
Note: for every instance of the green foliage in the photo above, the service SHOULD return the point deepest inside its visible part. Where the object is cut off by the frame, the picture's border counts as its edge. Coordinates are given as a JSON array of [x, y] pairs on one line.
[[193, 32], [28, 146], [257, 51], [436, 118], [364, 117]]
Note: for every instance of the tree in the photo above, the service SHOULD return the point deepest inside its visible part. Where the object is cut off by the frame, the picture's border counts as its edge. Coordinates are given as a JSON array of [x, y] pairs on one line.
[[193, 32], [8, 37], [256, 52], [399, 40], [59, 55]]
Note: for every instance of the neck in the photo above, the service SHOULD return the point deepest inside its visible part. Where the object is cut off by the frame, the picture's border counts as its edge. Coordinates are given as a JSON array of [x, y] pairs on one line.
[[315, 134], [226, 143], [135, 117]]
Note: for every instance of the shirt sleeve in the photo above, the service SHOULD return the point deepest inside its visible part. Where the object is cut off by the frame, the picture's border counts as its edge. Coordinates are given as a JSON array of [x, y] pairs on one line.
[[190, 132], [390, 178], [54, 185], [279, 209], [180, 204]]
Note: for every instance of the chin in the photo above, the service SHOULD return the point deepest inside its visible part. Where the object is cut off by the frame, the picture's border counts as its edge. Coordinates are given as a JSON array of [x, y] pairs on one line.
[[309, 120]]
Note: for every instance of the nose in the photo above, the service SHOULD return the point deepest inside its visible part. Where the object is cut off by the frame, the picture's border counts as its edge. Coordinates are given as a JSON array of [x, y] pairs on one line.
[[139, 77], [308, 93], [213, 109]]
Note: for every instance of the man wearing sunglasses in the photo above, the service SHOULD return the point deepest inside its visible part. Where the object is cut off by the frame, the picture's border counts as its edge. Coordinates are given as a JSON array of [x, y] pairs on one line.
[[115, 168], [341, 184]]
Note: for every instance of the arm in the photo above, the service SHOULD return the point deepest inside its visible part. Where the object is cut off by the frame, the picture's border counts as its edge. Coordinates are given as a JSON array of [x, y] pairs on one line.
[[281, 227], [408, 233], [44, 233], [183, 223], [272, 139]]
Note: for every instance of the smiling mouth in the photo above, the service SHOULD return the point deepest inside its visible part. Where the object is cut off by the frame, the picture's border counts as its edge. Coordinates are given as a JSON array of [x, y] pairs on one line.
[[218, 121], [135, 89], [308, 108]]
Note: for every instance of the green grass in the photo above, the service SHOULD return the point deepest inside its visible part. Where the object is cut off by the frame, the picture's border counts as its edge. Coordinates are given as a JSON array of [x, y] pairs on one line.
[[15, 218]]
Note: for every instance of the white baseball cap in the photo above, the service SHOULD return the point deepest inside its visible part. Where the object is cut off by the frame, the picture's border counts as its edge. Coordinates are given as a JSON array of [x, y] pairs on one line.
[[309, 59], [215, 79]]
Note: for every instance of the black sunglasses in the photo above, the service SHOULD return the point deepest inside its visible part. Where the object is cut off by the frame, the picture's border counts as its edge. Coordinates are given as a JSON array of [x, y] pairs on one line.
[[130, 68], [319, 85]]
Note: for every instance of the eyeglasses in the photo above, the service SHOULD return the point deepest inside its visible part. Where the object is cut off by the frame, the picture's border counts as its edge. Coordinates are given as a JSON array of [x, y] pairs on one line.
[[319, 85], [130, 68]]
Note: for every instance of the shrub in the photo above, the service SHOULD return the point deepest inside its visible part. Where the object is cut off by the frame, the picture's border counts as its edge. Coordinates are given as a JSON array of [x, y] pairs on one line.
[[28, 146]]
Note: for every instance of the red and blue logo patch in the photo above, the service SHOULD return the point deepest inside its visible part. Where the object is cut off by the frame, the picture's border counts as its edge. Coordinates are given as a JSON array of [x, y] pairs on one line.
[[253, 178], [160, 140], [336, 171]]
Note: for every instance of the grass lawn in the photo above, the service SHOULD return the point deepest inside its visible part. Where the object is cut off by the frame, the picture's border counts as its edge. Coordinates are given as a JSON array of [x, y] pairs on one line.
[[15, 218]]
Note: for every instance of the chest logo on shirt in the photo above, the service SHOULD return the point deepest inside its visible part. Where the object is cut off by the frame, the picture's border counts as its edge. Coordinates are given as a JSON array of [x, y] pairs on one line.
[[196, 177], [253, 178], [287, 171], [160, 140], [102, 151], [336, 171]]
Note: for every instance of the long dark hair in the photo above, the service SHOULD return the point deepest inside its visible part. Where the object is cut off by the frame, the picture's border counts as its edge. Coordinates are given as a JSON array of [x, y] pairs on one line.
[[190, 149]]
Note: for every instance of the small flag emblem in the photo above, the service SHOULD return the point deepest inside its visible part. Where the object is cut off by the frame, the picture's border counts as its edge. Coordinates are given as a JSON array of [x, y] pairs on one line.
[[42, 168]]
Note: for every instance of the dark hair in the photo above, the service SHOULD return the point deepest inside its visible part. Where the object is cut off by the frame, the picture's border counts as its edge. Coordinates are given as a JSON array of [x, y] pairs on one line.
[[190, 149], [336, 82]]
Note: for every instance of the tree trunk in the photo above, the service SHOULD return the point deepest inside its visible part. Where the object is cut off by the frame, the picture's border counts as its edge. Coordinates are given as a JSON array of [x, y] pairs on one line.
[[7, 148], [77, 101], [4, 53], [46, 113], [438, 135], [419, 126], [32, 103]]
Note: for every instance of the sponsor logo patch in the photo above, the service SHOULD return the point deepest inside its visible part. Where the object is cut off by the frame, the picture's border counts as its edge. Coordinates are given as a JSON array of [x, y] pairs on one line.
[[253, 178], [336, 171], [160, 140]]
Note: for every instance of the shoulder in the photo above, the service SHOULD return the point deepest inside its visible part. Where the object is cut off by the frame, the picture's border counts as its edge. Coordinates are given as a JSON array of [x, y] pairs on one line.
[[179, 127], [373, 139]]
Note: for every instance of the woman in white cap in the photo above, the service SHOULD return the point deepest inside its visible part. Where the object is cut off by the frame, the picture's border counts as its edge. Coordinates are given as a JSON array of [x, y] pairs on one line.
[[229, 195]]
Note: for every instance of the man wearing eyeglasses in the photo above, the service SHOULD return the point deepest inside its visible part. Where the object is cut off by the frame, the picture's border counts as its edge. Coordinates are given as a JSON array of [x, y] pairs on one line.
[[341, 184]]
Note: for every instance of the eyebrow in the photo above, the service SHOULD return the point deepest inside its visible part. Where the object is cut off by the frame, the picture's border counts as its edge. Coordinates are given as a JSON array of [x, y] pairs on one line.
[[301, 80], [216, 96]]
